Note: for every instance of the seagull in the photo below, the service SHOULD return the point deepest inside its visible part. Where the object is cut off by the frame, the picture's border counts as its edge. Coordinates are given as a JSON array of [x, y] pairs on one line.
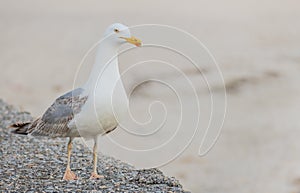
[[88, 111]]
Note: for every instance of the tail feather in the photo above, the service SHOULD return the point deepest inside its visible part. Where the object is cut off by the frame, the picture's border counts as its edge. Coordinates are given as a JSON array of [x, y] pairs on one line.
[[20, 128]]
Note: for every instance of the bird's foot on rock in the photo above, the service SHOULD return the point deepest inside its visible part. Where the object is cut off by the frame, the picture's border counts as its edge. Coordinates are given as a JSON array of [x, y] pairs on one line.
[[94, 175], [69, 175]]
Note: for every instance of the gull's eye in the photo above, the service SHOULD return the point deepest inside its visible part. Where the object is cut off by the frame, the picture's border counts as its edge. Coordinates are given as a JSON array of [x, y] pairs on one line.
[[116, 30]]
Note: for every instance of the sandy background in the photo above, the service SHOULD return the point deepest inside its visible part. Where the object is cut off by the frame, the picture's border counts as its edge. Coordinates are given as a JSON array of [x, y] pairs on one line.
[[256, 44]]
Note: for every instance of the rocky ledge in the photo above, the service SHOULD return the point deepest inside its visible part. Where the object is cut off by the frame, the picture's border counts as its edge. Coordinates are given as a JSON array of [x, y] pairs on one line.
[[37, 164]]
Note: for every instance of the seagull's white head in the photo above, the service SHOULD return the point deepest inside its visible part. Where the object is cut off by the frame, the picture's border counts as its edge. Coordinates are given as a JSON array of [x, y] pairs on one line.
[[119, 34]]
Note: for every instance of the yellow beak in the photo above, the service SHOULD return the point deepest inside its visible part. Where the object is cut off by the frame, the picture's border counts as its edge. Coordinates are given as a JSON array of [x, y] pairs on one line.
[[133, 40]]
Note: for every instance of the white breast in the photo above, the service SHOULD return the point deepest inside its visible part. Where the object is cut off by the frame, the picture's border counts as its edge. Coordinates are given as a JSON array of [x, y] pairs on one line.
[[107, 102]]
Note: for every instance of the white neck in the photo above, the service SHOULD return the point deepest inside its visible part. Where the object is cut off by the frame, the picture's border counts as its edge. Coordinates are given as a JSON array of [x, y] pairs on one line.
[[106, 69]]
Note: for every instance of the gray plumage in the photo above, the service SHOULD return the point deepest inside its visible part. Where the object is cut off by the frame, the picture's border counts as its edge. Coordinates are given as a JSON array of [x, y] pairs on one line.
[[54, 122]]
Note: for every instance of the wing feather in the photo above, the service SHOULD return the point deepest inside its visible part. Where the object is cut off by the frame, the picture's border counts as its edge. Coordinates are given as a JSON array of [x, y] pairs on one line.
[[54, 122]]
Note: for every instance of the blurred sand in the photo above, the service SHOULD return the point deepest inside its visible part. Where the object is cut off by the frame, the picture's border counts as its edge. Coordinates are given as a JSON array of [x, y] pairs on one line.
[[256, 44]]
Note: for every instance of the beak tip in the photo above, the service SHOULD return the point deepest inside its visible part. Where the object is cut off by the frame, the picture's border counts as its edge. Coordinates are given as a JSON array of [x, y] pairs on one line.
[[133, 40]]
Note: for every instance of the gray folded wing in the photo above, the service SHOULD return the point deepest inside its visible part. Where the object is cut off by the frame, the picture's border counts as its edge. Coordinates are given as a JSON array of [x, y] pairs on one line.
[[54, 122]]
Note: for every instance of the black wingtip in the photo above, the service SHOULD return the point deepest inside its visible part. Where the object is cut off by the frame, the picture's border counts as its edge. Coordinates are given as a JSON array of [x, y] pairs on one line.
[[20, 128], [16, 131]]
